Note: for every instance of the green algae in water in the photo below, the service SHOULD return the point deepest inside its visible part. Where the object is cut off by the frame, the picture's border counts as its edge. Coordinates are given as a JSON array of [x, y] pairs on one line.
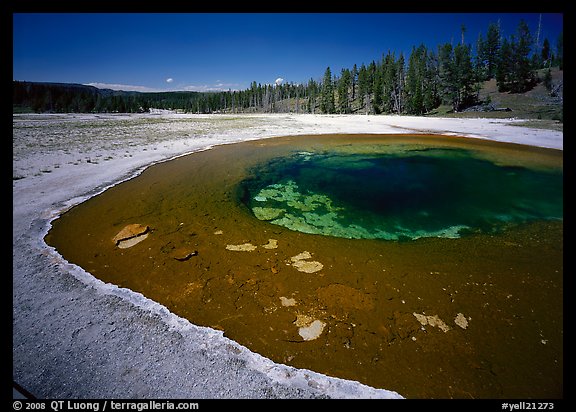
[[400, 195]]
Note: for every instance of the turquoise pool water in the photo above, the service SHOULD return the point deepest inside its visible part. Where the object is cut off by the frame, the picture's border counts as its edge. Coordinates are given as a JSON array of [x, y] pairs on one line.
[[403, 194]]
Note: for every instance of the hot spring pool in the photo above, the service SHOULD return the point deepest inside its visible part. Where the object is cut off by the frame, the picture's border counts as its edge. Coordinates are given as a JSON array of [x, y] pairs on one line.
[[402, 193], [427, 265]]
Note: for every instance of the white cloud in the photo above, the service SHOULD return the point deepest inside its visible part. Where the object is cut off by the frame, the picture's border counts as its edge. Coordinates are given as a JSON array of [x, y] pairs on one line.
[[216, 87], [123, 87], [278, 81]]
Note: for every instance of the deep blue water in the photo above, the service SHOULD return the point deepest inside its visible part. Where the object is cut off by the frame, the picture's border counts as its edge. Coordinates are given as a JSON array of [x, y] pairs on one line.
[[398, 196]]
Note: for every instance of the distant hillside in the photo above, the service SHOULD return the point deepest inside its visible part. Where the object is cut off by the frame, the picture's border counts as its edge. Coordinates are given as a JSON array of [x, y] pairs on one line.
[[541, 104], [43, 97]]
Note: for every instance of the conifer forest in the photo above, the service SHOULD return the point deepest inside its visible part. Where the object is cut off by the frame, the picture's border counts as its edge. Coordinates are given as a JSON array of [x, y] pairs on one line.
[[416, 84]]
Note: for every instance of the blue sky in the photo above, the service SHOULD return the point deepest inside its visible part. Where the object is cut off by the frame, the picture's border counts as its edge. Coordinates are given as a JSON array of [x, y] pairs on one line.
[[201, 51]]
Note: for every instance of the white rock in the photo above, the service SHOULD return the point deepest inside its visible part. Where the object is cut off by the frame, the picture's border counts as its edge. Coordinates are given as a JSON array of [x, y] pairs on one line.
[[433, 321], [125, 244], [272, 244], [313, 331], [131, 235], [245, 247], [305, 266], [287, 301], [308, 266], [301, 256], [461, 321]]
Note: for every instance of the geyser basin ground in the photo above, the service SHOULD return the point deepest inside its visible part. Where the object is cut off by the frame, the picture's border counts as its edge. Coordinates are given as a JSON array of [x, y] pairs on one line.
[[478, 316]]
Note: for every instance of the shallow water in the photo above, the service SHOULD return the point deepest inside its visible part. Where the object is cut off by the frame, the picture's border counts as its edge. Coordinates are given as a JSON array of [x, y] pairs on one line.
[[351, 308]]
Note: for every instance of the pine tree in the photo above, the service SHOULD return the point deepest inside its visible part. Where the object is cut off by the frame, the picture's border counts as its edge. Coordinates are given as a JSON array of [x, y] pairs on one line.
[[354, 79], [504, 66], [465, 77], [366, 82], [327, 104], [344, 84], [399, 86], [447, 73], [457, 77], [377, 89], [363, 85], [488, 50], [560, 50], [415, 81], [388, 82], [515, 72], [431, 97], [521, 77], [545, 54], [312, 94]]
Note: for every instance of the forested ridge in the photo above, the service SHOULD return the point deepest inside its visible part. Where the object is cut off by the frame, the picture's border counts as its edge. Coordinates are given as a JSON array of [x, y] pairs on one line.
[[451, 75]]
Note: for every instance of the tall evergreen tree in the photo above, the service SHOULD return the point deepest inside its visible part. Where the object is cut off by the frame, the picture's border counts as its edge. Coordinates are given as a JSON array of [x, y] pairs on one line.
[[515, 73], [457, 76], [312, 96], [447, 73], [545, 54], [416, 80], [344, 84], [491, 49], [377, 89], [354, 80], [431, 97], [363, 85], [521, 77], [399, 85], [327, 104], [504, 66], [560, 50], [465, 77], [388, 82]]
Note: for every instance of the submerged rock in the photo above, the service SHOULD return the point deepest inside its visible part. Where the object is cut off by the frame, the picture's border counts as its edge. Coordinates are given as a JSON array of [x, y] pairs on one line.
[[312, 331], [267, 213], [125, 244], [287, 301], [301, 256], [433, 321], [131, 235], [245, 247], [461, 321], [183, 253], [301, 264], [272, 244], [308, 327]]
